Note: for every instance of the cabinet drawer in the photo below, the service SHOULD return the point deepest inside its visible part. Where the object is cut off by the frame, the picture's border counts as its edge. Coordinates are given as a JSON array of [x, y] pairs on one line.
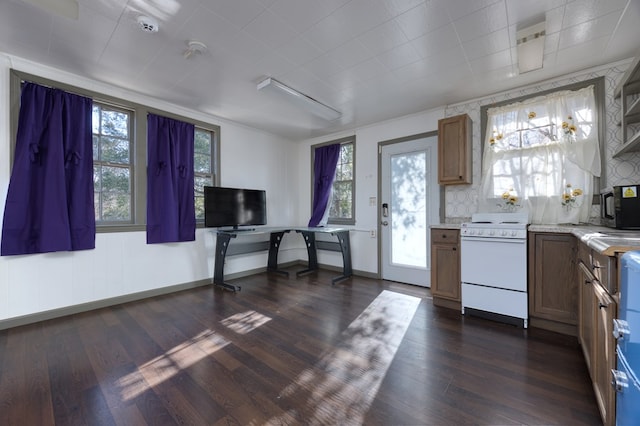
[[445, 236]]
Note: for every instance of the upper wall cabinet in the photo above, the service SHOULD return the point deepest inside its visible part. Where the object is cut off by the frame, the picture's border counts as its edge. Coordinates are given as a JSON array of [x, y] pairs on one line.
[[454, 150], [628, 90]]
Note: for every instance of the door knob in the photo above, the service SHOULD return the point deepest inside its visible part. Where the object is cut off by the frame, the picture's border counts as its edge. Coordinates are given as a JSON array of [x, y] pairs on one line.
[[384, 223]]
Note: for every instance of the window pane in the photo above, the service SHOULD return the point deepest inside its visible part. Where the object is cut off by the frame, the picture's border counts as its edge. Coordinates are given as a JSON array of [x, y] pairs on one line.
[[198, 191], [202, 163], [115, 206], [115, 123], [202, 142], [114, 150]]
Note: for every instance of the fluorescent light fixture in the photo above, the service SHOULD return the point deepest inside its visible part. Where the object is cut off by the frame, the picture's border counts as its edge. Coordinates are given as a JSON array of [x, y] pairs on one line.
[[530, 47], [304, 101]]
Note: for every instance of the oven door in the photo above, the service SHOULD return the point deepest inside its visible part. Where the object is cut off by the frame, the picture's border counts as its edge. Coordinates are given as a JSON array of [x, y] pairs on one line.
[[494, 262]]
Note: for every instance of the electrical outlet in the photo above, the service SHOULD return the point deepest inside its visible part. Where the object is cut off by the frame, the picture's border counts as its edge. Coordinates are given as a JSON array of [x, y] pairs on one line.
[[372, 233]]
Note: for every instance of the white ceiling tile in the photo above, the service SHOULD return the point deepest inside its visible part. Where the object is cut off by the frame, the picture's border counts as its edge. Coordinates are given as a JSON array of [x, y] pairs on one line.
[[301, 14], [422, 19], [481, 22], [397, 7], [109, 9], [32, 35], [274, 65], [324, 66], [579, 11], [349, 54], [437, 41], [328, 34], [270, 29], [89, 36], [238, 12], [491, 43], [399, 56], [299, 51], [414, 70], [366, 70], [209, 28], [589, 30], [383, 37], [491, 62], [362, 15], [459, 8]]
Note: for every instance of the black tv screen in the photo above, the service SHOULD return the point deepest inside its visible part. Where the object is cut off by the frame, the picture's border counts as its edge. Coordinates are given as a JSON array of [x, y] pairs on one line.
[[234, 207]]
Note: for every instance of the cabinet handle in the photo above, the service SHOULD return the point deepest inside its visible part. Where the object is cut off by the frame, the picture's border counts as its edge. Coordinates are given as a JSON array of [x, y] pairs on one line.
[[587, 282], [602, 305], [455, 248]]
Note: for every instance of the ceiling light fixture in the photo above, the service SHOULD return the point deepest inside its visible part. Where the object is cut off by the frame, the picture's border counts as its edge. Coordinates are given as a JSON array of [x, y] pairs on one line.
[[530, 42], [306, 102], [194, 48]]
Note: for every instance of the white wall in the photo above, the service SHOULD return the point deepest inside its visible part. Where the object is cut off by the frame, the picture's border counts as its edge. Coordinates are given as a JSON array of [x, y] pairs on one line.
[[364, 249], [122, 263]]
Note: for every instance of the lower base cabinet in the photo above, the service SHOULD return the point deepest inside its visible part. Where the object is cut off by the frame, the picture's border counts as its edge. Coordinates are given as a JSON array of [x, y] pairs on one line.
[[445, 267], [595, 333]]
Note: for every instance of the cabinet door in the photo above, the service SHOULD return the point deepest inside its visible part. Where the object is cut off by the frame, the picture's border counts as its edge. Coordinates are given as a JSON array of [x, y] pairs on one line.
[[445, 264], [587, 315], [454, 150], [604, 354], [553, 287]]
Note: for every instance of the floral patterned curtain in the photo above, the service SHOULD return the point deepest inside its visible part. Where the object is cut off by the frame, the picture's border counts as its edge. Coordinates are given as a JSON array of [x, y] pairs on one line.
[[541, 155]]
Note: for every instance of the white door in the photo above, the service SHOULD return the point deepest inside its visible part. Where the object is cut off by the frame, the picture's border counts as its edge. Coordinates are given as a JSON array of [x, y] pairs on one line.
[[409, 202]]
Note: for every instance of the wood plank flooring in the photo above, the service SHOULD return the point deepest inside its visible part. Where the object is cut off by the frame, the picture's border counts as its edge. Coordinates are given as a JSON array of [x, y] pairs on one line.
[[290, 351]]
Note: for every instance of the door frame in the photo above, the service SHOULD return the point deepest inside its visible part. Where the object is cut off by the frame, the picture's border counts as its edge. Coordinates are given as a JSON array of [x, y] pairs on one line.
[[441, 209]]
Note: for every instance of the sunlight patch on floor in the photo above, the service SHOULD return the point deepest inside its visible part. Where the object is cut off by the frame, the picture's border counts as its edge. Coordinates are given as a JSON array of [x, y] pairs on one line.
[[343, 383], [245, 322], [170, 363]]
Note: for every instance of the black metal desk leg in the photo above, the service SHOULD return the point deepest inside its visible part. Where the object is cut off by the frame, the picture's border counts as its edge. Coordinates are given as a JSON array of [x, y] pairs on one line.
[[222, 244], [274, 245], [312, 255], [345, 248]]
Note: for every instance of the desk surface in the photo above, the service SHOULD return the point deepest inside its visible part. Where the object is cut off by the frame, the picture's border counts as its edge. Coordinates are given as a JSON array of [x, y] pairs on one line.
[[269, 230]]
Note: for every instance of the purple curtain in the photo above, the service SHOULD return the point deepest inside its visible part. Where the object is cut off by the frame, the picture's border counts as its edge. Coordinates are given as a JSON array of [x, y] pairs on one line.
[[50, 196], [171, 213], [324, 172]]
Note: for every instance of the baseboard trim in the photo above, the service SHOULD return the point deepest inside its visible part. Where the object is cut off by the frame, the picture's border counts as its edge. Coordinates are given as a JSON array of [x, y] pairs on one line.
[[97, 304], [132, 297]]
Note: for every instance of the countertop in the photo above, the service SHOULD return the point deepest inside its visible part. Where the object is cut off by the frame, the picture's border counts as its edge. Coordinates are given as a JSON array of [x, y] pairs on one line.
[[605, 240]]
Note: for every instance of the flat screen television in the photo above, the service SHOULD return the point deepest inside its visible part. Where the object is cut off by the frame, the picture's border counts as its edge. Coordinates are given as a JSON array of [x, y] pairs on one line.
[[234, 207]]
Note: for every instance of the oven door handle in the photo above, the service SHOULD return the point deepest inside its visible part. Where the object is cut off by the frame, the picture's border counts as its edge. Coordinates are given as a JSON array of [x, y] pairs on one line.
[[493, 240]]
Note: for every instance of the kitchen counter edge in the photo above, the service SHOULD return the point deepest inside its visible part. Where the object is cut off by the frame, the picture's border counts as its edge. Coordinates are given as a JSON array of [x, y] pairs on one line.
[[604, 240]]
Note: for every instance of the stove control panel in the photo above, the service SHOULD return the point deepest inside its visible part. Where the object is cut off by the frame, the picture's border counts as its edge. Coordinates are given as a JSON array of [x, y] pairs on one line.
[[493, 232]]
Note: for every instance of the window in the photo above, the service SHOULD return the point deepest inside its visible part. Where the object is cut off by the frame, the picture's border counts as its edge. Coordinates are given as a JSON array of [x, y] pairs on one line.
[[203, 167], [112, 164], [342, 206], [120, 155], [541, 156]]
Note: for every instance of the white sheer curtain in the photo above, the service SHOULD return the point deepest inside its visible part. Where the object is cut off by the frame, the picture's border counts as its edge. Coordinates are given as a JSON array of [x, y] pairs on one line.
[[541, 155]]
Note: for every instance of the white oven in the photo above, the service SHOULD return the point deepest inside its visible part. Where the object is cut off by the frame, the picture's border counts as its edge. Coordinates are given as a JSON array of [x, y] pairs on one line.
[[493, 249]]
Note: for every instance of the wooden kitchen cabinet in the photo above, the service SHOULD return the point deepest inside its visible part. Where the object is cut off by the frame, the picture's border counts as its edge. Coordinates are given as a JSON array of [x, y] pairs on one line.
[[445, 267], [597, 311], [454, 150], [553, 290]]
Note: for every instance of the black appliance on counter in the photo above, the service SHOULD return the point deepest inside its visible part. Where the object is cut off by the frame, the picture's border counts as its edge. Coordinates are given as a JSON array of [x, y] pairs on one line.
[[620, 207]]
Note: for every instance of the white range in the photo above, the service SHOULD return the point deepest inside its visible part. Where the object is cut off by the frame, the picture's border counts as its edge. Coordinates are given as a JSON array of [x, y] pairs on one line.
[[494, 266]]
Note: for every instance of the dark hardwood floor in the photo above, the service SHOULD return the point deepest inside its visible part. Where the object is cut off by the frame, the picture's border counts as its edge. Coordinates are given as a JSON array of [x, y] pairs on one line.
[[290, 351]]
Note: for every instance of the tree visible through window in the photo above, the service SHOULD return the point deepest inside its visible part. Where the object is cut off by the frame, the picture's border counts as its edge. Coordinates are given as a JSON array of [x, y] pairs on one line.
[[112, 164], [203, 167], [341, 209]]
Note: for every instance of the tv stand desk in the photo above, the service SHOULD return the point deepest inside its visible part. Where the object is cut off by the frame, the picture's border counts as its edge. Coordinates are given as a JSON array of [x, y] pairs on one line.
[[224, 248]]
